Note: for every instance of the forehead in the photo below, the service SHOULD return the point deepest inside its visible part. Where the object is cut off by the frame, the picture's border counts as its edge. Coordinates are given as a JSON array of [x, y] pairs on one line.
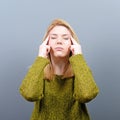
[[60, 30]]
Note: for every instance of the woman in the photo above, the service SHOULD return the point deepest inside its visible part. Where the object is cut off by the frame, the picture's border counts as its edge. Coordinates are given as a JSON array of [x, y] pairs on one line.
[[59, 82]]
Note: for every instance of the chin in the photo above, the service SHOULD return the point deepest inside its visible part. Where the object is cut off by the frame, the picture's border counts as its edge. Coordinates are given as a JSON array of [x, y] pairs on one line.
[[60, 55]]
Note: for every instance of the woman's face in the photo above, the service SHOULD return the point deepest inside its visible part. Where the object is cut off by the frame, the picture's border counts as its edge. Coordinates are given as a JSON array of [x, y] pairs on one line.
[[59, 41]]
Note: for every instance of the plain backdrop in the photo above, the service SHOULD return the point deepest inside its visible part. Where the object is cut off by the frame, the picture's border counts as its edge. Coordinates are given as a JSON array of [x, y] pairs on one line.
[[22, 27]]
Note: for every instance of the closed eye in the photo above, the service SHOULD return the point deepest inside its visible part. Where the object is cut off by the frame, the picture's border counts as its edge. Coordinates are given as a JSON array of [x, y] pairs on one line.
[[53, 37], [66, 38]]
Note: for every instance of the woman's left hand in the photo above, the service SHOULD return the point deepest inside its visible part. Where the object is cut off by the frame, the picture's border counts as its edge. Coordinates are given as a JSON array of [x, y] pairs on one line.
[[75, 47]]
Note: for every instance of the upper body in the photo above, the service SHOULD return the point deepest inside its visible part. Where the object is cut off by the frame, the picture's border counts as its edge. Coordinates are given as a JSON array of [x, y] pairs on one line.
[[59, 81]]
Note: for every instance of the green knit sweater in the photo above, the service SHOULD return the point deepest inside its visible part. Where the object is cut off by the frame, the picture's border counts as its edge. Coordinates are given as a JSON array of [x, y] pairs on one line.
[[59, 99]]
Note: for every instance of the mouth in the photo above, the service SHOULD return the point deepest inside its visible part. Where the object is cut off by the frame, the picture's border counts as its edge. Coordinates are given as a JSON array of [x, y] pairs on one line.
[[59, 48]]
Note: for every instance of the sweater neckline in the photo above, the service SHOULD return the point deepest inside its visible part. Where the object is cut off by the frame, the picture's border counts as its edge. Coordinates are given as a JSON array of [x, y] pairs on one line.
[[59, 77]]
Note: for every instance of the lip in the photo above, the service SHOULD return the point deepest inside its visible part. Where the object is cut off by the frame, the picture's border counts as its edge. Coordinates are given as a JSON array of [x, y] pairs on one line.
[[58, 48]]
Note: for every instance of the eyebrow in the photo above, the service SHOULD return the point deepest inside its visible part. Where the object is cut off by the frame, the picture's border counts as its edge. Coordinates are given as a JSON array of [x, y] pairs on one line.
[[62, 34], [54, 34]]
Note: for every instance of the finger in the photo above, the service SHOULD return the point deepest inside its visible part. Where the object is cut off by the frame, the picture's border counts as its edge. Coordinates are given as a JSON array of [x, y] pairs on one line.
[[46, 41], [72, 49], [73, 41]]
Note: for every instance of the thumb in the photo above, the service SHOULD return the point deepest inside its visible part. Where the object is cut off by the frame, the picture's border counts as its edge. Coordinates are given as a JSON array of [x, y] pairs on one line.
[[72, 49]]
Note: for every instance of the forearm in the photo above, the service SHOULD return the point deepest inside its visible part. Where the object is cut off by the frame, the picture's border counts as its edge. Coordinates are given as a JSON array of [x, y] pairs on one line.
[[85, 87], [32, 85]]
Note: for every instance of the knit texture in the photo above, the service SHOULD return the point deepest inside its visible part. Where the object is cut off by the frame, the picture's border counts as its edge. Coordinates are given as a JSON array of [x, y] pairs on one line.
[[60, 98]]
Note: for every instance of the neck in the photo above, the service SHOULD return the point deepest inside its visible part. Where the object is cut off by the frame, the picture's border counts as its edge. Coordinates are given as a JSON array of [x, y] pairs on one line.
[[59, 65]]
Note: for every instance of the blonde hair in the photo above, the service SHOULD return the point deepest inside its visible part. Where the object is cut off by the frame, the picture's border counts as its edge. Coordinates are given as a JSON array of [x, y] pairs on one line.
[[48, 71], [60, 22]]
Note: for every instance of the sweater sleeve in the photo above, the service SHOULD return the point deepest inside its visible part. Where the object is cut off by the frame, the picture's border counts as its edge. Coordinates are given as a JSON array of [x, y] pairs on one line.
[[85, 88], [32, 85]]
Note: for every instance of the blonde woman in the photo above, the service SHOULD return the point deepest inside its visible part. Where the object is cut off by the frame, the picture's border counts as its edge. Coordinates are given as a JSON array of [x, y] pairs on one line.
[[59, 82]]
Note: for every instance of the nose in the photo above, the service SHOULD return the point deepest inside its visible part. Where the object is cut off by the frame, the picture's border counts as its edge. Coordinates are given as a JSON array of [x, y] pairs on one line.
[[59, 40]]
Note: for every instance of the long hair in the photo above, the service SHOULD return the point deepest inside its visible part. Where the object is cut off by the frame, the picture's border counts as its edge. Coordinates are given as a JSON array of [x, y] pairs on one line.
[[48, 70], [60, 22]]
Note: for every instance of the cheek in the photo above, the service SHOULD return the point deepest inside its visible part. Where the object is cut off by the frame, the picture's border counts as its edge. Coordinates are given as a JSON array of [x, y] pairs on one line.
[[68, 43], [67, 47]]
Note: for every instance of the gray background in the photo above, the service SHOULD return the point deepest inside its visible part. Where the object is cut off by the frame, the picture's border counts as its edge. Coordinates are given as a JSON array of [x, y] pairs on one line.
[[22, 26]]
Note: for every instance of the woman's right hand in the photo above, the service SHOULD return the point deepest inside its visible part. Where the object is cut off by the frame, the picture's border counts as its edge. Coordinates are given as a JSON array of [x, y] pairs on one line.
[[44, 48]]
